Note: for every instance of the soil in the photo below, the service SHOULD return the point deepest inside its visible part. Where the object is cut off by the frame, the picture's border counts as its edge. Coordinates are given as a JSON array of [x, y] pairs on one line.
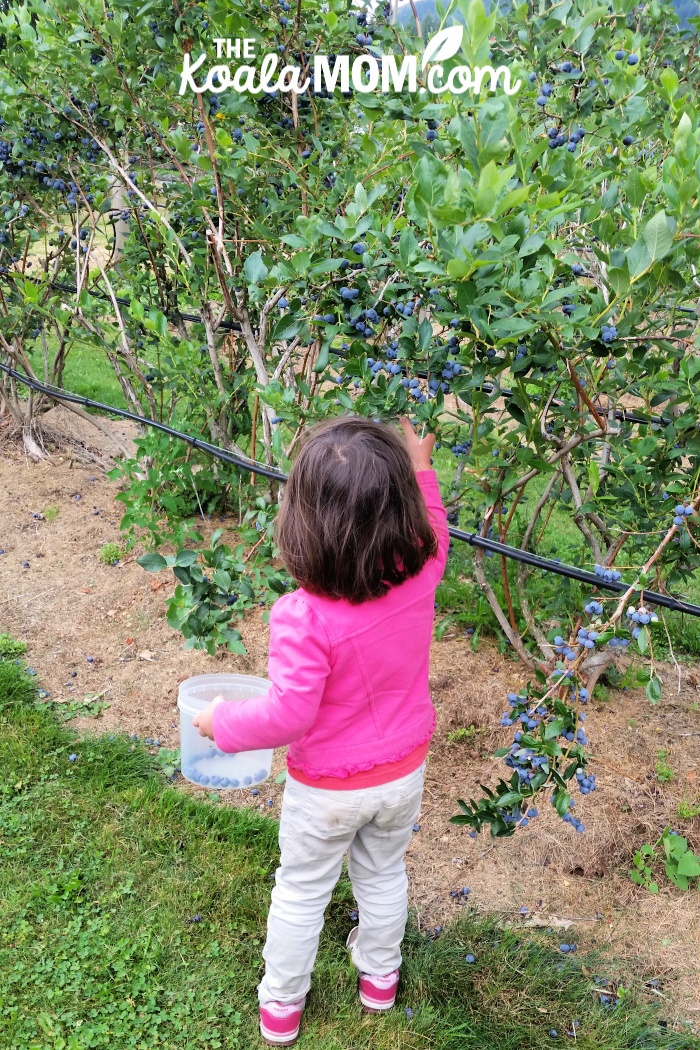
[[100, 630]]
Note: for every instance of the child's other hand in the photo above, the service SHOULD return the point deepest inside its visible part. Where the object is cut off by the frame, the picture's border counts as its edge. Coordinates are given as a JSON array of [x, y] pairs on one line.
[[419, 449], [202, 721]]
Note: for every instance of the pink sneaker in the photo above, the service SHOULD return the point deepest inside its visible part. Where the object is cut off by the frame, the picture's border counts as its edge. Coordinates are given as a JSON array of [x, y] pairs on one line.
[[279, 1022], [377, 994]]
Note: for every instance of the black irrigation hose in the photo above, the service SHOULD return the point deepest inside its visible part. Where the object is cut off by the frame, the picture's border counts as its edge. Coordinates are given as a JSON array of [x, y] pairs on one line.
[[254, 467], [488, 388], [78, 399]]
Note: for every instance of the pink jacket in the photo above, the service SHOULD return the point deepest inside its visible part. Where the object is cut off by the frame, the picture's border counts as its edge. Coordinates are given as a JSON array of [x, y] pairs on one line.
[[349, 682]]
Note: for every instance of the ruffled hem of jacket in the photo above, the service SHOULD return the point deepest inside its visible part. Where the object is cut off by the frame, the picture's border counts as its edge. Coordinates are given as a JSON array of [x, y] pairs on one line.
[[347, 771]]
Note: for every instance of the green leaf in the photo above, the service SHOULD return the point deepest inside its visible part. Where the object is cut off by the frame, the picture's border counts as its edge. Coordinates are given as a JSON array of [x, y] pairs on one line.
[[152, 562], [322, 359], [618, 279], [653, 690], [531, 244], [255, 269], [245, 588], [186, 558], [425, 334], [638, 258], [689, 865], [509, 799], [281, 777], [594, 476], [554, 729], [635, 189], [561, 802], [286, 328], [683, 138], [643, 641], [658, 235], [222, 580], [408, 247], [459, 268], [681, 881]]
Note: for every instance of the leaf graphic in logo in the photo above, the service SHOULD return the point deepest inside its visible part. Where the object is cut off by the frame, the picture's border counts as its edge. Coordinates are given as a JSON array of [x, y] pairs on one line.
[[443, 45]]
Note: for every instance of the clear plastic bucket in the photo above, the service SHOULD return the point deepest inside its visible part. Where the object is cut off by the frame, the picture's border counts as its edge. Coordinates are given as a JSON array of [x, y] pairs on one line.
[[201, 761]]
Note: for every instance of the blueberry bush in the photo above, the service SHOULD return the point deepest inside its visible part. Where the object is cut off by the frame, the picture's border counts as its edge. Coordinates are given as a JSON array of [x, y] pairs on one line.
[[518, 271]]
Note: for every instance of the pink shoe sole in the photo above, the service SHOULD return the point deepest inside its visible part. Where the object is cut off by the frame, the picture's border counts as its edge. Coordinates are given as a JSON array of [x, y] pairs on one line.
[[377, 994], [279, 1024]]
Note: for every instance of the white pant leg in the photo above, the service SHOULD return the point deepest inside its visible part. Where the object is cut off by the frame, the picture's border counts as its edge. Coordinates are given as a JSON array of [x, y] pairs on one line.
[[378, 873], [316, 828]]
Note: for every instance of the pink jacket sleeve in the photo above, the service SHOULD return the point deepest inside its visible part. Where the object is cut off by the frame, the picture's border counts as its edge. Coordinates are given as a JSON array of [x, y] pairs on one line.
[[430, 487], [298, 666]]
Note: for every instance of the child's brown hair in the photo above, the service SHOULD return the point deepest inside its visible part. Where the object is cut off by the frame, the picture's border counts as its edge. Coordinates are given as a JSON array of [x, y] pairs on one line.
[[352, 508]]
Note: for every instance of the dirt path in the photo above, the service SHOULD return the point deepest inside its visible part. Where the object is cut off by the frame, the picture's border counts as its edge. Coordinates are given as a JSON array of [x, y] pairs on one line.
[[96, 629]]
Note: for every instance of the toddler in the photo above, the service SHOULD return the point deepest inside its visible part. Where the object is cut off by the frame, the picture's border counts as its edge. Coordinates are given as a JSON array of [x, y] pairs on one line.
[[362, 529]]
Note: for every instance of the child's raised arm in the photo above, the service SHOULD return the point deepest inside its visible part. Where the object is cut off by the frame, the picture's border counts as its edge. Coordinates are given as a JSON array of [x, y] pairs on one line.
[[299, 663], [419, 448]]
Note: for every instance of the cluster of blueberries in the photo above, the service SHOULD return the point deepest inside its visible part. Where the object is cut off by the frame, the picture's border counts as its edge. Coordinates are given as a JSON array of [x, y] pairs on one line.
[[545, 91], [574, 72], [194, 774], [452, 368], [405, 309], [569, 817], [561, 647], [524, 760], [586, 638], [527, 763], [641, 617], [586, 783], [571, 141], [618, 643], [606, 573], [682, 511], [608, 333], [377, 366]]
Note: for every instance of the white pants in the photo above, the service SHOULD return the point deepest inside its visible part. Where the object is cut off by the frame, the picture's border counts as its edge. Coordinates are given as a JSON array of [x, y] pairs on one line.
[[317, 826]]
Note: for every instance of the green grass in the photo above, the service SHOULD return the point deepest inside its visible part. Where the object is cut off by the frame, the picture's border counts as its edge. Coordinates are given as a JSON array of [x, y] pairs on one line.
[[110, 552], [688, 809], [86, 372], [104, 865], [664, 771]]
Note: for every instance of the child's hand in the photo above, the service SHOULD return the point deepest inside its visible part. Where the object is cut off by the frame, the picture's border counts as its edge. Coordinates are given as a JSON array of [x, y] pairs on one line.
[[419, 449], [202, 721]]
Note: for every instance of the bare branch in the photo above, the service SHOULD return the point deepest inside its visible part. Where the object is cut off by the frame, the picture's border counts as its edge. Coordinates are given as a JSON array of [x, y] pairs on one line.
[[573, 442], [579, 518], [513, 637]]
